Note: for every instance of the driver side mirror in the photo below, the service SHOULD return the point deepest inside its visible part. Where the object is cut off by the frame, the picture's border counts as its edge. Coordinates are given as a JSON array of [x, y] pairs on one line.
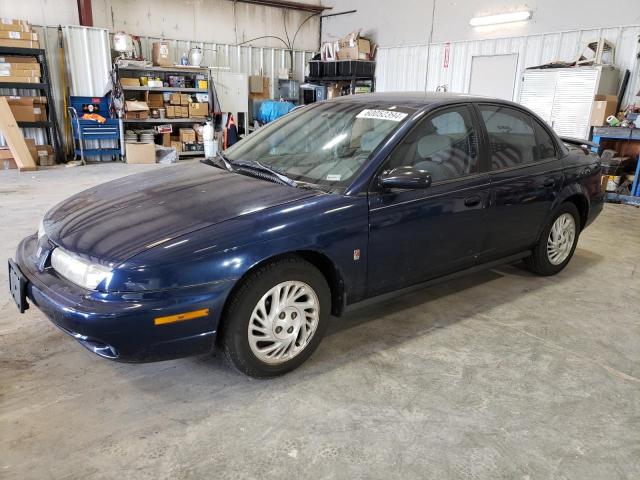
[[408, 178]]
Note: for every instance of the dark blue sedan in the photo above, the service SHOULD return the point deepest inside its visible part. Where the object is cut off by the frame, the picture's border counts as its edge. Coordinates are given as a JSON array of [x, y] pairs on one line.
[[333, 204]]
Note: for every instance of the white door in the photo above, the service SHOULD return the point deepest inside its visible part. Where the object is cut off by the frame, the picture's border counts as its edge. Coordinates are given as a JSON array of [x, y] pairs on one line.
[[494, 76]]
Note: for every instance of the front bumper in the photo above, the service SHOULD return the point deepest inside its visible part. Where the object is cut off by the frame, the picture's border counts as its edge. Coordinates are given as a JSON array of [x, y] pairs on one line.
[[120, 325]]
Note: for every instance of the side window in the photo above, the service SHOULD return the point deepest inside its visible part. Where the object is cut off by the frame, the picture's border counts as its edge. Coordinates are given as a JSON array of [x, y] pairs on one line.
[[511, 136], [444, 144], [546, 147]]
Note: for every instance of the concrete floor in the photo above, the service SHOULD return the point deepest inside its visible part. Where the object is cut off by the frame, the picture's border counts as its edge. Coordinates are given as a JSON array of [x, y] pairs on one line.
[[497, 375]]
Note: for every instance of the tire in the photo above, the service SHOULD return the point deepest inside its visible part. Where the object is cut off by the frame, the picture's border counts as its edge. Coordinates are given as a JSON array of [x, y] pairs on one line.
[[544, 263], [298, 283]]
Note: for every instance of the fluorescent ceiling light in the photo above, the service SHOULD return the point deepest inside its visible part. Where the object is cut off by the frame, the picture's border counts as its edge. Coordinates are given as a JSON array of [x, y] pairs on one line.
[[500, 18]]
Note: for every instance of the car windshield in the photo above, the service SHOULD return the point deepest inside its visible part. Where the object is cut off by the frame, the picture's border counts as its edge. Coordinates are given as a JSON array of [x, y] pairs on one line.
[[324, 144]]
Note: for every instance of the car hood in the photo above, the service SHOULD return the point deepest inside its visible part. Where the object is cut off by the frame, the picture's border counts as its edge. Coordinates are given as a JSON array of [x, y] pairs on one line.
[[116, 220]]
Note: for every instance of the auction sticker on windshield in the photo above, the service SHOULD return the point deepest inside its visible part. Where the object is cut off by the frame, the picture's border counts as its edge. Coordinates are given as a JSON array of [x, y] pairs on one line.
[[382, 115]]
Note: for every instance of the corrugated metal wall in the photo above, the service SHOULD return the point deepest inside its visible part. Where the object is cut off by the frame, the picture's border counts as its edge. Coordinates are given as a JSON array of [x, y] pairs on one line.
[[404, 67], [244, 59]]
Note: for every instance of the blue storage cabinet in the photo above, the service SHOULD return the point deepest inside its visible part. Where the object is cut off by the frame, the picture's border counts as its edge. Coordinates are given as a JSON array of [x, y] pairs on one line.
[[87, 130]]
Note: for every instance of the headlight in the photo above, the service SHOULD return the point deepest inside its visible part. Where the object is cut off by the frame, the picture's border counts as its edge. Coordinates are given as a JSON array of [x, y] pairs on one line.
[[77, 270], [41, 232]]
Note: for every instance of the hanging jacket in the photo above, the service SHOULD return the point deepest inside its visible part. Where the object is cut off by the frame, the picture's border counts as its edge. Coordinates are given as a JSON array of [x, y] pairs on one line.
[[230, 132]]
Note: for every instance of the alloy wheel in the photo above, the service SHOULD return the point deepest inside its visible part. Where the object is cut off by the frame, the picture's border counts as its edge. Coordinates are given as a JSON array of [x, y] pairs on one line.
[[283, 322], [561, 238]]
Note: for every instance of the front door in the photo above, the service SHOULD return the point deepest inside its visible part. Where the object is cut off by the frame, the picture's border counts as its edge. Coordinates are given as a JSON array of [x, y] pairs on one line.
[[415, 235]]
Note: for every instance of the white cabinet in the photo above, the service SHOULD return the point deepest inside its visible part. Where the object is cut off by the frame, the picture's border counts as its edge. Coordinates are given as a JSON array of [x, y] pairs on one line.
[[563, 97]]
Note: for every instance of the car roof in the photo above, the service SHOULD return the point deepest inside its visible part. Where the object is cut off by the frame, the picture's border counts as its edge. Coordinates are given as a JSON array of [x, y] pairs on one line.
[[414, 99]]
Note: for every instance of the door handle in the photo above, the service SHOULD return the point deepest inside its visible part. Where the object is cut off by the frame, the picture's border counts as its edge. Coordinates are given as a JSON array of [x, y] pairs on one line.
[[549, 182], [472, 201]]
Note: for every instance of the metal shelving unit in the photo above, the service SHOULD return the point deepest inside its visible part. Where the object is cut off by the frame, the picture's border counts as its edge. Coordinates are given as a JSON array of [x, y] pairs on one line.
[[352, 79], [165, 89], [51, 125], [131, 70], [164, 120], [624, 134]]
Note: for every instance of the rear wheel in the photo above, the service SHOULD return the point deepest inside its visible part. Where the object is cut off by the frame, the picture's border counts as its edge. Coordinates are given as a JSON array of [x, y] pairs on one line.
[[276, 319], [557, 243]]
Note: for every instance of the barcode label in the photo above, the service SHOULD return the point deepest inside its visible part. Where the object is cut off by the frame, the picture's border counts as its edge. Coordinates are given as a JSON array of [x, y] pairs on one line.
[[382, 115]]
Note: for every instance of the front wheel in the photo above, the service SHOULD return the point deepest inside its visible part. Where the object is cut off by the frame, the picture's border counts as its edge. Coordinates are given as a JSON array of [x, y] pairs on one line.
[[276, 318], [557, 242]]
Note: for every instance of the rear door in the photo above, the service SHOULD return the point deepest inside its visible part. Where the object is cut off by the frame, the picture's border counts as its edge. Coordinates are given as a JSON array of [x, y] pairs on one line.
[[526, 177], [415, 235]]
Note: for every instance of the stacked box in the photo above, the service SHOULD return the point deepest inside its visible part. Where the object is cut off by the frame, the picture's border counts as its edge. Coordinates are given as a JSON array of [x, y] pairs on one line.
[[17, 34], [199, 109], [28, 109], [19, 69]]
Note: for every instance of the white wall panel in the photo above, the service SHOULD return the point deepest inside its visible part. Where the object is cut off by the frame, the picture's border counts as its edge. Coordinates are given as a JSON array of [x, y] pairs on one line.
[[403, 67], [408, 22]]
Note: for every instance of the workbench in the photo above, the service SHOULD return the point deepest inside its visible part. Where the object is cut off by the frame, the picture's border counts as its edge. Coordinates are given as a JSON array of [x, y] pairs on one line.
[[626, 134]]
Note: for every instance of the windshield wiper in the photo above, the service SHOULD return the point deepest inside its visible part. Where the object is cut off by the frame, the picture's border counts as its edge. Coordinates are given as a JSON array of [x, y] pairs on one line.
[[314, 186], [253, 164], [219, 161]]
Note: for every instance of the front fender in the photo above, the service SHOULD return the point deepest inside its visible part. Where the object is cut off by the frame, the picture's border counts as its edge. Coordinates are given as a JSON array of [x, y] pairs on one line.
[[330, 225]]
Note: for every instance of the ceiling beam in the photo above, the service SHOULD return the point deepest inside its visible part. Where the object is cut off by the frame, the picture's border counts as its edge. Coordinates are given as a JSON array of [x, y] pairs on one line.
[[303, 7]]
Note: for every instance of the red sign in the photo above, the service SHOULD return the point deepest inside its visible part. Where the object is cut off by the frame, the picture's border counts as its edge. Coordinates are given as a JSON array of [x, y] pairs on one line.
[[447, 50]]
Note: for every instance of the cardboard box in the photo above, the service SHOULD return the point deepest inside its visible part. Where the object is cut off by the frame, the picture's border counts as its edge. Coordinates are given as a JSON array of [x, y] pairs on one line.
[[353, 47], [19, 79], [264, 93], [29, 113], [256, 84], [13, 21], [16, 59], [19, 43], [174, 99], [136, 110], [187, 135], [170, 111], [6, 159], [136, 115], [8, 164], [45, 155], [13, 27], [13, 68], [177, 145], [155, 100], [166, 139], [360, 49], [29, 101], [199, 109], [184, 100], [184, 112], [603, 107], [335, 90], [161, 54], [141, 152], [136, 106], [129, 82], [18, 35]]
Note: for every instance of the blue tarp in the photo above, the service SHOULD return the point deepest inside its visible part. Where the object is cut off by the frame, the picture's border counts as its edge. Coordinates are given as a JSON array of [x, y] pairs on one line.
[[272, 110]]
